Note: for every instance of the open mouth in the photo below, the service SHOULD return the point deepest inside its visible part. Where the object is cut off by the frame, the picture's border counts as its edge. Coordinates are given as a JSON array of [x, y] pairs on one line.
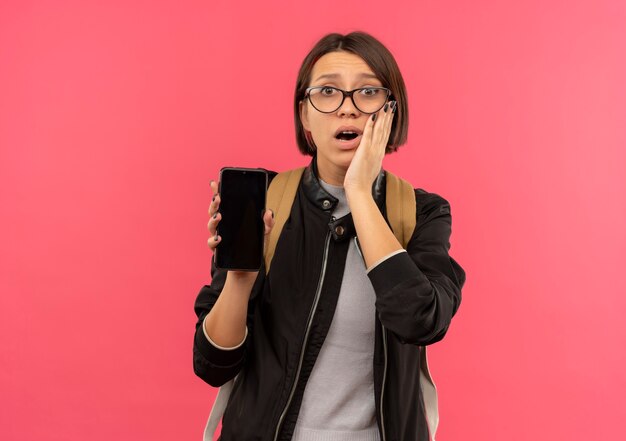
[[346, 136]]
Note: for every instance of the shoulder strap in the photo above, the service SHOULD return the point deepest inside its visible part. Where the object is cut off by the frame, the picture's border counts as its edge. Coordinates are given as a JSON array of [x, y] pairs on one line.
[[429, 393], [400, 204], [280, 196], [217, 411]]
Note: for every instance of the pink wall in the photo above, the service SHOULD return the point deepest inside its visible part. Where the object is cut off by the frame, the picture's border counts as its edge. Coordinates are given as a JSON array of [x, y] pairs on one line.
[[115, 115]]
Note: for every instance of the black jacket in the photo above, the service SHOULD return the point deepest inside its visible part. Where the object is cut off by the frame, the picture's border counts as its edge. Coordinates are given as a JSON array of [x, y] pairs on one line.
[[417, 294]]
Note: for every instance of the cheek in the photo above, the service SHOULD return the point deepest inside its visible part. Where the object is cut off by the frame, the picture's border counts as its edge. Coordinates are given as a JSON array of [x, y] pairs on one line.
[[320, 135], [319, 126]]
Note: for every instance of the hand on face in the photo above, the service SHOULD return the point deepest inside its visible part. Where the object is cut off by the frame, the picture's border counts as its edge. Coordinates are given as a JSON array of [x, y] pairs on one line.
[[368, 158]]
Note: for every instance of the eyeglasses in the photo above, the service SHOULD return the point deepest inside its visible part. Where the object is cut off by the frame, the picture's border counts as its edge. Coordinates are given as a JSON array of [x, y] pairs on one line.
[[327, 99]]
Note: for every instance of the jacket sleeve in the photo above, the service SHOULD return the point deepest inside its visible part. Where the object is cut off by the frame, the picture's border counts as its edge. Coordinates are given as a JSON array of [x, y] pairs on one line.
[[419, 291], [213, 364]]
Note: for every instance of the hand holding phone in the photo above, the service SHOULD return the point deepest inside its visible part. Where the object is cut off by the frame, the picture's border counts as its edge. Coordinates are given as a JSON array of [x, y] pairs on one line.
[[238, 207]]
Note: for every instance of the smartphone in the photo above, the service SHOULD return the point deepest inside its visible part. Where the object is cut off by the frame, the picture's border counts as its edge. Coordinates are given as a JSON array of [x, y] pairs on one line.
[[242, 202]]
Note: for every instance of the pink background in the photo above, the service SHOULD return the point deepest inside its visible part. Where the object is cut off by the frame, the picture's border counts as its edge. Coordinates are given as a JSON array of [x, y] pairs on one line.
[[115, 115]]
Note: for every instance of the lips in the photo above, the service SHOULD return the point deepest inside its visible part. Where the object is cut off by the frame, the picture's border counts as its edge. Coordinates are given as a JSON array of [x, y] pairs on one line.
[[352, 129], [348, 144]]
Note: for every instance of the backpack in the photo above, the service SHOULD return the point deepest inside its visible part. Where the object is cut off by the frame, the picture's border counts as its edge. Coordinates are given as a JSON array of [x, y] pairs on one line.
[[401, 213]]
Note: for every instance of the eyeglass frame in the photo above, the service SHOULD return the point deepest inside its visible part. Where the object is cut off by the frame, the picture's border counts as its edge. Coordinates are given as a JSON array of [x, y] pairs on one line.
[[346, 93]]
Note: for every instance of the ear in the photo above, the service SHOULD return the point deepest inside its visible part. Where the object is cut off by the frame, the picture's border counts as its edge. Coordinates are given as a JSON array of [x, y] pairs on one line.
[[304, 115]]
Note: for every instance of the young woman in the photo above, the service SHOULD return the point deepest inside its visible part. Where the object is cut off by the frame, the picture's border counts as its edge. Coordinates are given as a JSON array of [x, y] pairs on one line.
[[328, 344]]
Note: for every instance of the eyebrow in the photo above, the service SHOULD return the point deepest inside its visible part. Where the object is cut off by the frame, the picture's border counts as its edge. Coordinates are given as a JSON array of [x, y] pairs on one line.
[[335, 75]]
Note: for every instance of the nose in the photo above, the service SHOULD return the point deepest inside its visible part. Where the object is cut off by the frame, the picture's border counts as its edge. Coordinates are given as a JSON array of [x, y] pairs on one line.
[[348, 107]]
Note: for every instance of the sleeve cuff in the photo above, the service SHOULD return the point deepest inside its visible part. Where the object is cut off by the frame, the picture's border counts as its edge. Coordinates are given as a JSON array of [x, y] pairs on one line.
[[218, 356], [222, 347], [393, 253], [390, 272]]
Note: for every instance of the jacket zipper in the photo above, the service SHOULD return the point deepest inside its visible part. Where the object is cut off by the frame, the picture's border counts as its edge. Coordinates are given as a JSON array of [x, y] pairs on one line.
[[382, 393], [306, 334]]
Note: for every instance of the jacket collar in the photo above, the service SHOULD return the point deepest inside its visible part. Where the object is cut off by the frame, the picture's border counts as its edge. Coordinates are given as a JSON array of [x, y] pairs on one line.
[[326, 201]]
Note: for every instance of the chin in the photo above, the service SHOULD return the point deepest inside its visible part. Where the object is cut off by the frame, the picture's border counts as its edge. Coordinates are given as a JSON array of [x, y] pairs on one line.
[[339, 158], [344, 158]]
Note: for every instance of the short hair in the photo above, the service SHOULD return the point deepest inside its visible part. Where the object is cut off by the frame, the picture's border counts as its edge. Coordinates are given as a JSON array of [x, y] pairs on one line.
[[382, 63]]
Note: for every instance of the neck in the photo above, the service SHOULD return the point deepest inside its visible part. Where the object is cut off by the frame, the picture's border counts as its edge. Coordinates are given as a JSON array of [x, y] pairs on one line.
[[330, 173]]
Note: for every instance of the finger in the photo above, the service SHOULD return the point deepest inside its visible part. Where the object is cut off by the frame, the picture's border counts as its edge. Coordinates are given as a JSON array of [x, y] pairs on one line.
[[214, 241], [214, 206], [214, 188], [214, 185], [388, 123], [215, 217], [382, 134], [391, 112], [378, 128], [212, 224], [368, 131], [269, 220]]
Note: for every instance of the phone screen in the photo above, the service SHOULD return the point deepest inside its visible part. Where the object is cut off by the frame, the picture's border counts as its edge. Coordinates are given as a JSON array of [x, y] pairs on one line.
[[242, 202]]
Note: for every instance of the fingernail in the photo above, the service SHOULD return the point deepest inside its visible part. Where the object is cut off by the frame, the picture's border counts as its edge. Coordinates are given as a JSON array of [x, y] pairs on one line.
[[374, 117], [215, 238], [213, 198], [394, 108], [272, 211], [386, 107], [215, 215]]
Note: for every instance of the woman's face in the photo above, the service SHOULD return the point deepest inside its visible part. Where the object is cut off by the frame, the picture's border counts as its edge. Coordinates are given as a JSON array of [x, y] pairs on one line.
[[349, 71]]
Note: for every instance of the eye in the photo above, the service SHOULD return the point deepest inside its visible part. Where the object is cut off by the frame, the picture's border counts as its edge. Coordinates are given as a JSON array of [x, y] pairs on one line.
[[370, 91], [327, 91]]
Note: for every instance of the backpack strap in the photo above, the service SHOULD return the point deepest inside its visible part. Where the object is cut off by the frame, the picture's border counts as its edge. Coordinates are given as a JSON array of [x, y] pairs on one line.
[[280, 196], [429, 393], [400, 204], [217, 411]]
